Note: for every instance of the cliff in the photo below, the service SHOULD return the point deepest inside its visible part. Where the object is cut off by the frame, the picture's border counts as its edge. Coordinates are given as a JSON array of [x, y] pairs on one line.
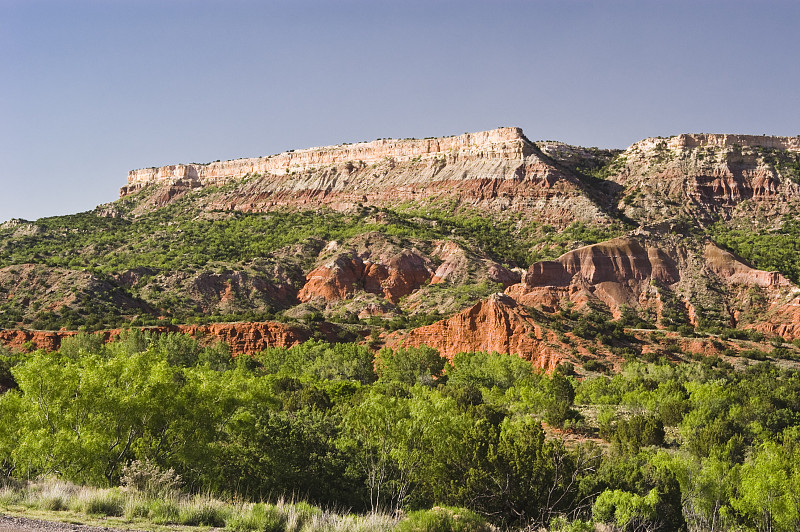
[[403, 232], [658, 276], [502, 143], [498, 170], [704, 177], [714, 140], [377, 264]]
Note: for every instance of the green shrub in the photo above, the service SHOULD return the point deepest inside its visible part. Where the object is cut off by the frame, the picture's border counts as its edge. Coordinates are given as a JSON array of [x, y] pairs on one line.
[[202, 511], [99, 502], [561, 524], [754, 354], [638, 431], [164, 512], [595, 365], [443, 519], [261, 517]]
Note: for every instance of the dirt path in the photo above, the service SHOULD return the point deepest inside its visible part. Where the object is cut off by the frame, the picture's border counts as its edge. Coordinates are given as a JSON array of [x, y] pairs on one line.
[[10, 523]]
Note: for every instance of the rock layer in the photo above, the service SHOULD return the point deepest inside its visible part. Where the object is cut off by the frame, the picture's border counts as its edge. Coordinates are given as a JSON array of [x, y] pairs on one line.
[[243, 338], [499, 170], [703, 177], [494, 324], [502, 143]]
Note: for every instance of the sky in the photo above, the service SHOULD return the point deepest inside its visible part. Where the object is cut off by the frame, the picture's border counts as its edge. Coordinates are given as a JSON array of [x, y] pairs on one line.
[[90, 89]]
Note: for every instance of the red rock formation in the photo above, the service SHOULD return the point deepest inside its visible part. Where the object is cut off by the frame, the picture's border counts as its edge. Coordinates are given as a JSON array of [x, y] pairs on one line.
[[632, 271], [338, 279], [47, 340], [617, 272], [243, 337], [781, 318], [380, 266], [494, 324], [251, 337], [407, 272], [343, 276], [733, 271]]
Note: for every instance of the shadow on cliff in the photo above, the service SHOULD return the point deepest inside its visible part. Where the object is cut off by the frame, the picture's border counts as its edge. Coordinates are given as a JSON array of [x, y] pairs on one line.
[[605, 194]]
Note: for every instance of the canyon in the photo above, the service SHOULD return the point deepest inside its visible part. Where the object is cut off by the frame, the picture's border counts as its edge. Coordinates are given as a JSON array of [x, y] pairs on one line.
[[485, 238]]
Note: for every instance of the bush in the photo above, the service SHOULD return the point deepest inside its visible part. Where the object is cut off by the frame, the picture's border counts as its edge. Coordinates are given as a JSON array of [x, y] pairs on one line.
[[754, 354], [164, 512], [561, 524], [202, 511], [261, 517], [561, 397], [638, 431], [443, 519], [99, 502], [146, 477], [410, 365], [595, 365]]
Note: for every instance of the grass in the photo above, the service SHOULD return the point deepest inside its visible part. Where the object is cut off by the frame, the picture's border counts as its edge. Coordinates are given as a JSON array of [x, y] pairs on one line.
[[94, 501], [443, 519], [53, 499]]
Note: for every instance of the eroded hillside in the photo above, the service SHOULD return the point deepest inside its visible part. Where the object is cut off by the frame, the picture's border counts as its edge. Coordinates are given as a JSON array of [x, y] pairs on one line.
[[421, 237]]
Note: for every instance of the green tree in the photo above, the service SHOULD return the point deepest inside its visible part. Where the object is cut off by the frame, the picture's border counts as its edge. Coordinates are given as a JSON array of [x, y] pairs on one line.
[[767, 494], [628, 511], [561, 398], [403, 445], [410, 365]]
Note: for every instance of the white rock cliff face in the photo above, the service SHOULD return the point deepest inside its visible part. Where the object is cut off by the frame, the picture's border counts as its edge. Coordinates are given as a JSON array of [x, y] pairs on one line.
[[713, 140], [503, 143]]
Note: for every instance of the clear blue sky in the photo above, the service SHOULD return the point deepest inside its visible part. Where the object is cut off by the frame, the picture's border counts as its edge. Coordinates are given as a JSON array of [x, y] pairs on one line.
[[92, 89]]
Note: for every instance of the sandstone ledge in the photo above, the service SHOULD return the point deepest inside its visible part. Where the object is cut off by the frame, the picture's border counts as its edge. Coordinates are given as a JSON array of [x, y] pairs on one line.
[[506, 142], [719, 140]]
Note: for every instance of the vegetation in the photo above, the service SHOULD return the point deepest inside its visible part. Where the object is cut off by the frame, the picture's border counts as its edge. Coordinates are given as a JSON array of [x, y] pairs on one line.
[[158, 429], [772, 250], [172, 239], [129, 269], [140, 508], [694, 445]]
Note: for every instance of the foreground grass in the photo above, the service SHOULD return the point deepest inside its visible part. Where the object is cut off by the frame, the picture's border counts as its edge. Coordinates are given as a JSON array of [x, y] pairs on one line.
[[56, 500], [130, 509]]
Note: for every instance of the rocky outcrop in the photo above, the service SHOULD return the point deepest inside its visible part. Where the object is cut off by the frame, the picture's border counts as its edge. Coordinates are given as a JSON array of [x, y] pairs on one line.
[[615, 273], [37, 291], [498, 170], [781, 318], [243, 338], [704, 177], [22, 339], [457, 263], [716, 140], [343, 276], [644, 273], [494, 324], [376, 264], [733, 271], [503, 143], [251, 337]]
